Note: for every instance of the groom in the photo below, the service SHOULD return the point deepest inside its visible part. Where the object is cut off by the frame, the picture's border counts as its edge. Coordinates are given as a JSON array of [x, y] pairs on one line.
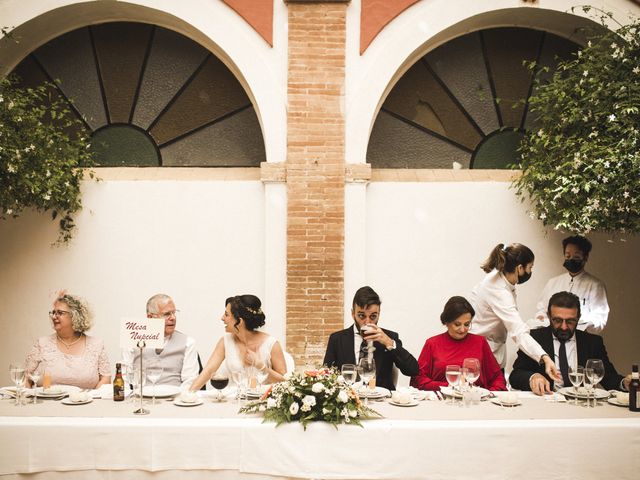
[[345, 346]]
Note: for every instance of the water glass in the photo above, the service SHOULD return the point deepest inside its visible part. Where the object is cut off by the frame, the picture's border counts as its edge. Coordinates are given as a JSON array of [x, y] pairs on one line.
[[349, 372], [16, 373], [453, 374], [596, 367], [576, 376], [367, 369]]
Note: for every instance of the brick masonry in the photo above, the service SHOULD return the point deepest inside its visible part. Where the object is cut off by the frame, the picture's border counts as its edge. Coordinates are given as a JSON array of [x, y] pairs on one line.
[[315, 176]]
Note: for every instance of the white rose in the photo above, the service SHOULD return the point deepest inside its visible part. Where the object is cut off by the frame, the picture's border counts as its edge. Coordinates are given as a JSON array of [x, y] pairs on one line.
[[317, 387], [309, 400], [271, 402], [343, 397], [293, 409], [353, 413]]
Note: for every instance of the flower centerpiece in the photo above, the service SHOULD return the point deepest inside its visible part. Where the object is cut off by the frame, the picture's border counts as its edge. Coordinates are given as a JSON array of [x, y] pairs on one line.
[[313, 395], [581, 163]]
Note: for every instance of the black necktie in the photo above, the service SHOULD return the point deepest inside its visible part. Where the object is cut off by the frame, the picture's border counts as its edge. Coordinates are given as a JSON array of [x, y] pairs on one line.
[[363, 350], [564, 364]]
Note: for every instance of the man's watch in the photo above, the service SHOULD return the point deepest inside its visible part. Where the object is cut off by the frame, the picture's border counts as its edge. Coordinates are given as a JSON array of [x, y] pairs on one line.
[[392, 347], [541, 362]]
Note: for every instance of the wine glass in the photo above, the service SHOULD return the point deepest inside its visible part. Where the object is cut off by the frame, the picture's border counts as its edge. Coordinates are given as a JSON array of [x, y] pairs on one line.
[[35, 376], [241, 380], [16, 372], [367, 369], [452, 374], [127, 376], [596, 368], [471, 370], [349, 372], [139, 381], [154, 372], [219, 381], [576, 376]]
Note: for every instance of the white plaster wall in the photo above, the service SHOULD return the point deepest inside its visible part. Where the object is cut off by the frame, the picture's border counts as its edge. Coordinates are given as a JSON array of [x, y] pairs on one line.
[[425, 243], [198, 241]]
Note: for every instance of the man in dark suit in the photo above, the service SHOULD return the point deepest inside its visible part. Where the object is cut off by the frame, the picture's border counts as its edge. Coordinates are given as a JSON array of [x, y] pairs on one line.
[[346, 346], [569, 346]]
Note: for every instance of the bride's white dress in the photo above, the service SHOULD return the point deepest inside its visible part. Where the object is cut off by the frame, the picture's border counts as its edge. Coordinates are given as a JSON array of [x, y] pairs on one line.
[[235, 364]]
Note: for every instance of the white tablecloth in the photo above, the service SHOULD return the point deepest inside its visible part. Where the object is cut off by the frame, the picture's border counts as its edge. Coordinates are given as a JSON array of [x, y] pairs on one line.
[[433, 440]]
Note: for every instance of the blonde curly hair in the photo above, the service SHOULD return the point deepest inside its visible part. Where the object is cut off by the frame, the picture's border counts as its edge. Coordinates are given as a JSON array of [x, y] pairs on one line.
[[81, 316]]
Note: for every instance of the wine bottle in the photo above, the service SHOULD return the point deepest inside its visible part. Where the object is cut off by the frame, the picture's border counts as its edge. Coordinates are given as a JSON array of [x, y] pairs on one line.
[[118, 385], [634, 390]]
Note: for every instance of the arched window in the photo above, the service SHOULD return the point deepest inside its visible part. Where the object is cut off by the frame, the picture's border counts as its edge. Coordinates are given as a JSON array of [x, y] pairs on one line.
[[149, 97], [464, 102]]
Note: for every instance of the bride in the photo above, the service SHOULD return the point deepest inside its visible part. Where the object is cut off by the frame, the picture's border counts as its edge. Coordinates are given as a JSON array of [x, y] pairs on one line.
[[242, 345]]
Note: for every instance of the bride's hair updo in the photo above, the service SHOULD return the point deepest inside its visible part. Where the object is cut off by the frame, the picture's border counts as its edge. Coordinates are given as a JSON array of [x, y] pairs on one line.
[[247, 307]]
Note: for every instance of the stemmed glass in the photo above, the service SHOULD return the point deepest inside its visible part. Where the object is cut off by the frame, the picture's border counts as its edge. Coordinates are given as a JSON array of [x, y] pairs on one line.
[[576, 376], [367, 370], [16, 372], [241, 380], [219, 381], [34, 376], [349, 372], [452, 374], [154, 372], [595, 368], [471, 370]]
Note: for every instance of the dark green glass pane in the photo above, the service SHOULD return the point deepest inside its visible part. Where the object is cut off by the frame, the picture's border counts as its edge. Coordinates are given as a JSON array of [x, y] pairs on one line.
[[124, 146], [498, 150]]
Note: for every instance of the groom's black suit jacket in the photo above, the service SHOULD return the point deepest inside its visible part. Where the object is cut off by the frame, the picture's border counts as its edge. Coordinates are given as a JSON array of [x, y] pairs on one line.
[[340, 351]]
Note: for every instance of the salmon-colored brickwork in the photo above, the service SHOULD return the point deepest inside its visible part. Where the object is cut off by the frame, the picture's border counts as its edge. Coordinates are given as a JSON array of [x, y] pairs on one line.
[[315, 172]]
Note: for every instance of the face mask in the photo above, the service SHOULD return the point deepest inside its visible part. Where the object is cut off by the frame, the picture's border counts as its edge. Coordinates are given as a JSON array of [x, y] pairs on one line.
[[524, 277], [573, 265]]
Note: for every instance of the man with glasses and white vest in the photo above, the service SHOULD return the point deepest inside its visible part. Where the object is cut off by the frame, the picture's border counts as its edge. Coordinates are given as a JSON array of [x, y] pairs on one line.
[[178, 356]]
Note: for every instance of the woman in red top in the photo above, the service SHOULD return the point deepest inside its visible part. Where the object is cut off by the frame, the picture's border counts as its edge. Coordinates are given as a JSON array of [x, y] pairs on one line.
[[453, 346]]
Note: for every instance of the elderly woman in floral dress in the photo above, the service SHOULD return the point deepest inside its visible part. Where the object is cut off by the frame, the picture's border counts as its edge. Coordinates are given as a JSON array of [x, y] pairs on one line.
[[69, 355]]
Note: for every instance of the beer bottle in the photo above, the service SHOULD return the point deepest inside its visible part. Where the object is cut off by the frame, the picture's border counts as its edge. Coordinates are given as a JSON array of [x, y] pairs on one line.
[[634, 390], [118, 385]]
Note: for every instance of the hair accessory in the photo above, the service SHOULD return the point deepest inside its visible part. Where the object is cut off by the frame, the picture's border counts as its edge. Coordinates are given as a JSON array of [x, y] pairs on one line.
[[504, 247], [255, 312]]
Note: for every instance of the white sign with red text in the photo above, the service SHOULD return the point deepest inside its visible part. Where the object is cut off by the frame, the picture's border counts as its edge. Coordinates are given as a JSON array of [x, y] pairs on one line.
[[141, 332]]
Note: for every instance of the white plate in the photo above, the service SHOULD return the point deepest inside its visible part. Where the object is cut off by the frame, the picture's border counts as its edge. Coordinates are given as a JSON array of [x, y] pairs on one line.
[[614, 401], [496, 401], [448, 391], [180, 403], [60, 391], [379, 392], [600, 394], [160, 390], [410, 404], [67, 401]]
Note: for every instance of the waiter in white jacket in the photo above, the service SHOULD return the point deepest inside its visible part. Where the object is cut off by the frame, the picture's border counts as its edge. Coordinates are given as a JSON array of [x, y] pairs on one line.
[[589, 289], [494, 299]]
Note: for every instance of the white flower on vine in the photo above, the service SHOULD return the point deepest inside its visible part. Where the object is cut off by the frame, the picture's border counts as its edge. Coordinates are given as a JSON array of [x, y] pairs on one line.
[[575, 190], [11, 168], [612, 117], [47, 196], [9, 211], [543, 216], [625, 194], [636, 70], [585, 73], [606, 164]]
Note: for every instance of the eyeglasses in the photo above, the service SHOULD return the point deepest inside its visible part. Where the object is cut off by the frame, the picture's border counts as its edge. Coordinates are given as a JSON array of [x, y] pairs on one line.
[[166, 315], [571, 322], [57, 313], [363, 316]]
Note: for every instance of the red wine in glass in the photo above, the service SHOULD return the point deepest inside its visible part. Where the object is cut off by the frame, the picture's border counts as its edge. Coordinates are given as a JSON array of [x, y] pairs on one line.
[[219, 383]]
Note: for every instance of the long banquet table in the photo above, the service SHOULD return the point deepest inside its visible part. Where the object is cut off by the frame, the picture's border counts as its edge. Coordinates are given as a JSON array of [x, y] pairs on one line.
[[105, 440]]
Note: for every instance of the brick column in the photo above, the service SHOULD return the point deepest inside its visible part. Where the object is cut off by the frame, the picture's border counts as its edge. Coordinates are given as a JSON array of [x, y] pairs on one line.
[[315, 175]]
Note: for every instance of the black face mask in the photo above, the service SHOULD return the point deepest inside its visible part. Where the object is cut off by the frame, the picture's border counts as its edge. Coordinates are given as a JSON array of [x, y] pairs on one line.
[[524, 277], [573, 265]]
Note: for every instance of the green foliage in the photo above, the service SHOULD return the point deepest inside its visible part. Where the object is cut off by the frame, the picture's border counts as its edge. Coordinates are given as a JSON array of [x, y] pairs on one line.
[[315, 395], [43, 151], [581, 164]]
